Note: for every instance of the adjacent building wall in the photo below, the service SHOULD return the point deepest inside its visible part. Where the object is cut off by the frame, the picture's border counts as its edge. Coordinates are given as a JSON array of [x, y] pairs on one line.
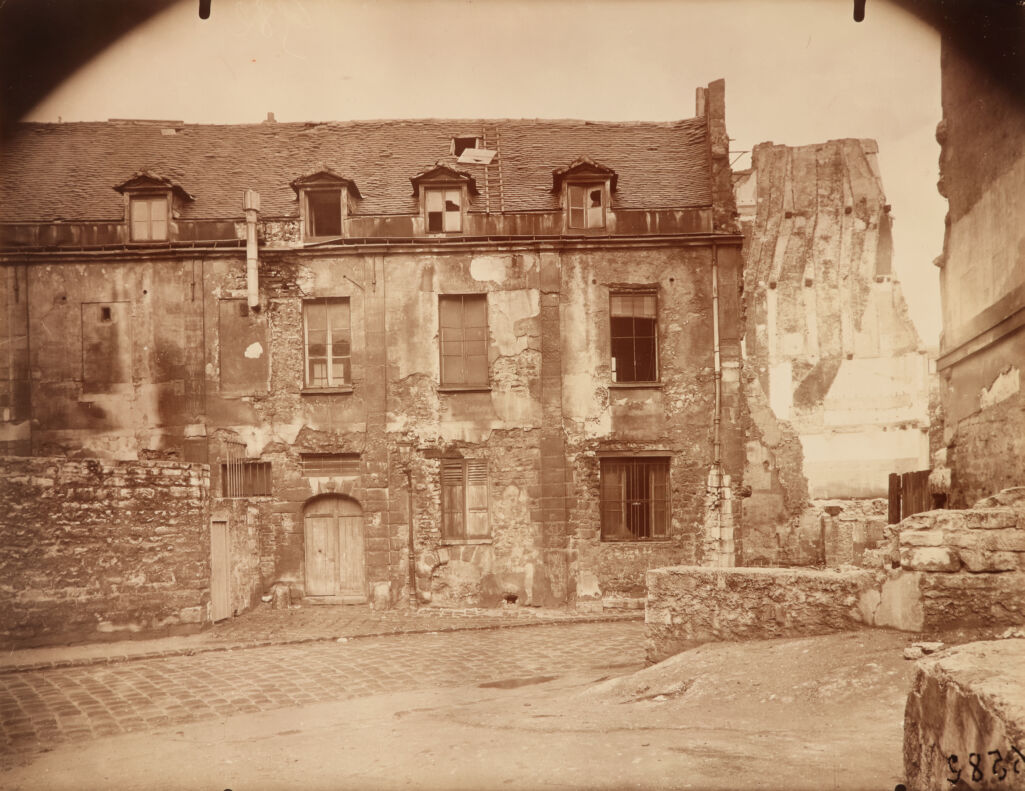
[[982, 279], [93, 550], [838, 381]]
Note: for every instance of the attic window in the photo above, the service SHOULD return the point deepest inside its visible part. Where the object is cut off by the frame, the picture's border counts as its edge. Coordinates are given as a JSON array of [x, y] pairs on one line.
[[444, 210], [460, 144], [323, 213], [148, 218], [586, 206]]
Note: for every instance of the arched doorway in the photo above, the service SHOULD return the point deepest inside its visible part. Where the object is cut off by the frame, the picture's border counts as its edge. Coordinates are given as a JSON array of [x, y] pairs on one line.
[[335, 565]]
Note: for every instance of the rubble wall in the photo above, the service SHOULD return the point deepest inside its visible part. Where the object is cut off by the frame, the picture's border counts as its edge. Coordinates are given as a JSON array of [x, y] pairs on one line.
[[964, 721], [95, 550]]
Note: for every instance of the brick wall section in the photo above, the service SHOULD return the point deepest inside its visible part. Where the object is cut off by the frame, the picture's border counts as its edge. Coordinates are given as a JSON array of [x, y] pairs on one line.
[[95, 549]]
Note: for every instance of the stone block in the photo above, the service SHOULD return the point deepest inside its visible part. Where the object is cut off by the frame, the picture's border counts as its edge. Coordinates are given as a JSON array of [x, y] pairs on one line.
[[921, 538], [929, 559], [978, 560], [965, 703], [191, 614]]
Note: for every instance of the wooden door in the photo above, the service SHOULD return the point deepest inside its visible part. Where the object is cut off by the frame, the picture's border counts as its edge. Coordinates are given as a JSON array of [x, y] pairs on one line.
[[335, 564], [220, 596]]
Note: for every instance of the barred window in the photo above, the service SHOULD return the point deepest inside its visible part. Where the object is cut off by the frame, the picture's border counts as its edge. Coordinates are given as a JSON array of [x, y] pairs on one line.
[[634, 498], [464, 498], [316, 465], [328, 342], [245, 478], [634, 340]]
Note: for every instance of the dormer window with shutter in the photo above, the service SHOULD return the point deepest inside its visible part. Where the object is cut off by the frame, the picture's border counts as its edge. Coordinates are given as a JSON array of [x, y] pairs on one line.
[[151, 206], [444, 195], [586, 188], [325, 199]]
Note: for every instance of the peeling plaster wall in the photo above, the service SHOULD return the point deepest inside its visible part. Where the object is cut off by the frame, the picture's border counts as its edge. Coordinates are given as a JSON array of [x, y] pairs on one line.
[[834, 360], [982, 280]]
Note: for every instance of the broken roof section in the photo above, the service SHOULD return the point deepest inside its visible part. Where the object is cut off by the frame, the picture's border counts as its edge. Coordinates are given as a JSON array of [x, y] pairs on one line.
[[65, 170]]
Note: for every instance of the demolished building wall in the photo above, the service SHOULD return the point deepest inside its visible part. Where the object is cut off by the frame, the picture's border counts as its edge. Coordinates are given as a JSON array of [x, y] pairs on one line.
[[982, 278], [837, 376]]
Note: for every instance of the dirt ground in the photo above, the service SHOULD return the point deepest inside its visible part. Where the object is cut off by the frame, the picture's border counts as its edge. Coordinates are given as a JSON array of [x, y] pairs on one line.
[[814, 713]]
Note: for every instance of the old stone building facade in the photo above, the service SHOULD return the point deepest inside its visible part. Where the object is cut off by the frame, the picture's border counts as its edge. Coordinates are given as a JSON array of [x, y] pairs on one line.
[[452, 362]]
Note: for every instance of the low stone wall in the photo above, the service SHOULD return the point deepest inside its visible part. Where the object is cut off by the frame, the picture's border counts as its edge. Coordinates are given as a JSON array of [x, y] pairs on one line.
[[93, 550], [964, 723], [692, 604]]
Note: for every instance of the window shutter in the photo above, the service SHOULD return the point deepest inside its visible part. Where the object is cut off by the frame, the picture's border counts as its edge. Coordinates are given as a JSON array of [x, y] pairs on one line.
[[452, 498], [477, 498]]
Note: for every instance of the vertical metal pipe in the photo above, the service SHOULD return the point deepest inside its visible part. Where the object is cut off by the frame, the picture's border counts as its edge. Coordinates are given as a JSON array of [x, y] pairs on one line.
[[412, 548], [251, 204]]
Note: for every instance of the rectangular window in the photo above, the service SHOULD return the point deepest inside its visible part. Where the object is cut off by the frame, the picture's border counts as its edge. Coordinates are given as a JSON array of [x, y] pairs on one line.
[[245, 478], [586, 206], [634, 340], [323, 213], [463, 333], [464, 498], [444, 213], [634, 499], [148, 218], [317, 465], [328, 343]]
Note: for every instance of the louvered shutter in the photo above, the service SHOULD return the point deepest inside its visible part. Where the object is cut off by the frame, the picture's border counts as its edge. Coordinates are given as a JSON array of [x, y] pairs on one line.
[[452, 498], [477, 498]]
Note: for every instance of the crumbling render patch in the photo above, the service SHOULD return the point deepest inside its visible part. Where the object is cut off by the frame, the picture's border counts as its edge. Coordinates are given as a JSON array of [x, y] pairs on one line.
[[1007, 384]]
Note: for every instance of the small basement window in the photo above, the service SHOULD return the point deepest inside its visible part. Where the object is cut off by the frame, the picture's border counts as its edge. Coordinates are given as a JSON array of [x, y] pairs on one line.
[[323, 213], [444, 210], [245, 478]]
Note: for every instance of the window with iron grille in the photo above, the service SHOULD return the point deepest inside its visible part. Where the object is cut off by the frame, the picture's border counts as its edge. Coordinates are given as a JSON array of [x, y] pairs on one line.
[[245, 478], [316, 465], [328, 342], [464, 498], [634, 499], [634, 337], [463, 339]]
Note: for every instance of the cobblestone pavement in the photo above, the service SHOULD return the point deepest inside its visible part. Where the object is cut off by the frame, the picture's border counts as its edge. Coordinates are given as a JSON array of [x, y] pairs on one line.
[[44, 707]]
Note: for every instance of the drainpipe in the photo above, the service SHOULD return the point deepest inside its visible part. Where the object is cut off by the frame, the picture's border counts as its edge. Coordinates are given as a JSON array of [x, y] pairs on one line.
[[719, 484], [717, 419], [413, 603], [251, 204]]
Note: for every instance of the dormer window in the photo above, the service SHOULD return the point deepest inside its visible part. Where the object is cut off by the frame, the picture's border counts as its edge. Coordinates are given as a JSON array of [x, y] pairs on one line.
[[586, 188], [586, 205], [323, 213], [148, 217], [444, 212], [444, 196], [151, 203], [460, 144], [324, 199]]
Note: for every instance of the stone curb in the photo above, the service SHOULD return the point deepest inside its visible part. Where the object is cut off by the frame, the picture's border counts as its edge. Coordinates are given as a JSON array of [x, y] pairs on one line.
[[247, 644]]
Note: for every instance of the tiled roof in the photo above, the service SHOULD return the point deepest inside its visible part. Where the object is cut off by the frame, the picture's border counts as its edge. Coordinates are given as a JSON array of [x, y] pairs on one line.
[[69, 171]]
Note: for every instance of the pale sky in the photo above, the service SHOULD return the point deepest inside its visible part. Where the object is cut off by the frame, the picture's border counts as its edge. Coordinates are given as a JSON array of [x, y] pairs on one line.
[[797, 72]]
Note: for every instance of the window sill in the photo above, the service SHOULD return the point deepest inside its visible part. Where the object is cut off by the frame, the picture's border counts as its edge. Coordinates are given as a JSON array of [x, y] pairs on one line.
[[636, 385], [660, 540], [448, 542], [345, 389], [464, 388]]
